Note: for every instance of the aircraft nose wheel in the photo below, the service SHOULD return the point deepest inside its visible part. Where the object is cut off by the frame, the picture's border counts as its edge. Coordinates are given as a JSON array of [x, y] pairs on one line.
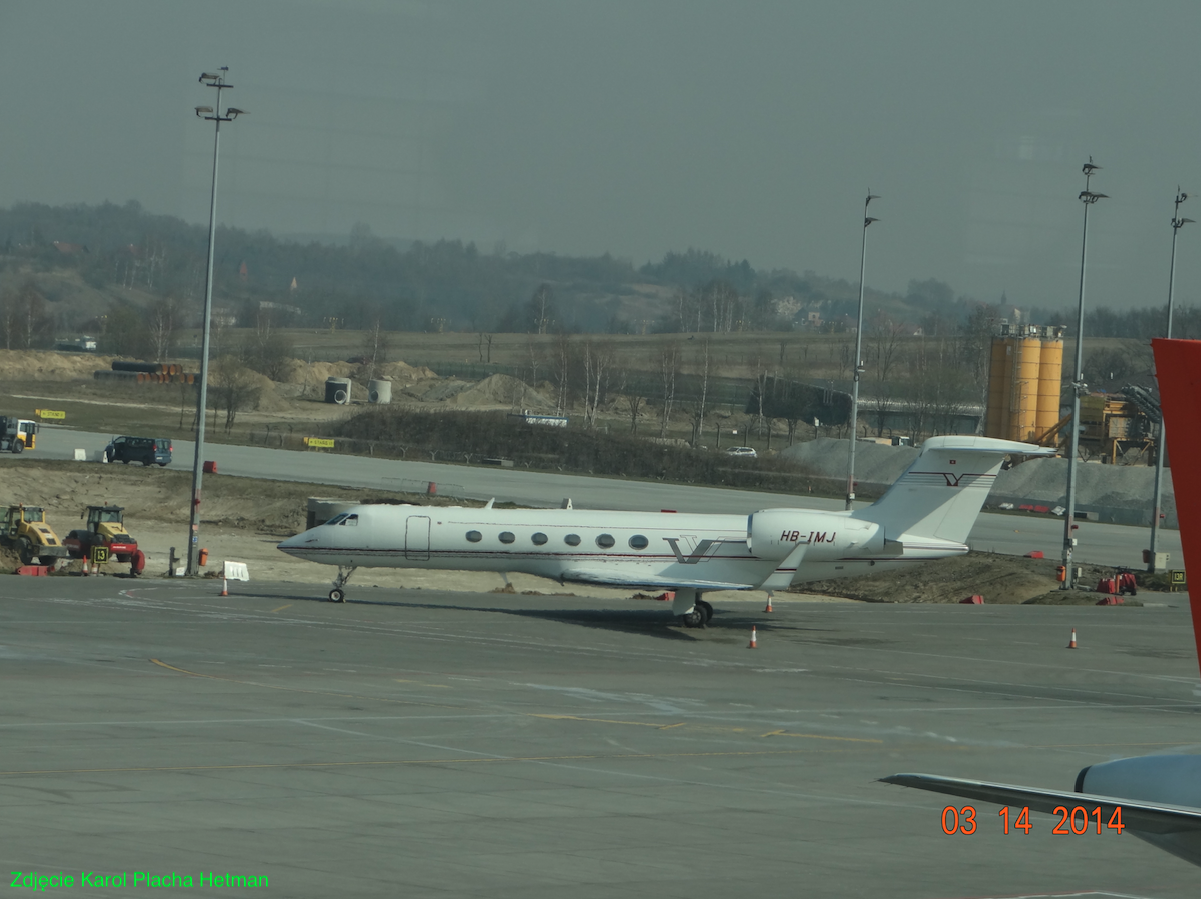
[[337, 595]]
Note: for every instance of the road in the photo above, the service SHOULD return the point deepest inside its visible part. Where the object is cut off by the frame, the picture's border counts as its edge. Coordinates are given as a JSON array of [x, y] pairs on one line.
[[1099, 544], [520, 747]]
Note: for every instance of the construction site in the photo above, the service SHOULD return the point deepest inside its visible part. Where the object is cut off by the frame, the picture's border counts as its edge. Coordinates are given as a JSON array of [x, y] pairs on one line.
[[1026, 402]]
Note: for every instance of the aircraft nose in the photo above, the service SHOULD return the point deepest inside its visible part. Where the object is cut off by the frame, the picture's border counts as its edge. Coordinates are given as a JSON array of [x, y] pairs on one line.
[[292, 545]]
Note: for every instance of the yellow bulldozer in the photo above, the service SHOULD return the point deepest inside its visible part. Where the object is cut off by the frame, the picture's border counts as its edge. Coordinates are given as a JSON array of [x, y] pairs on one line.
[[24, 527]]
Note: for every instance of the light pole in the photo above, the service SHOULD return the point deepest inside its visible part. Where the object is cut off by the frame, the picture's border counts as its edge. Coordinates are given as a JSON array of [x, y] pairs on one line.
[[1079, 388], [1177, 224], [209, 114], [867, 220]]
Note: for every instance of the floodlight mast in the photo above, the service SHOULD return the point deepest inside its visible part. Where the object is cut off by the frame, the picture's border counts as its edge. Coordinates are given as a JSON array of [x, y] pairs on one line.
[[209, 114], [1177, 224], [1079, 388], [867, 220]]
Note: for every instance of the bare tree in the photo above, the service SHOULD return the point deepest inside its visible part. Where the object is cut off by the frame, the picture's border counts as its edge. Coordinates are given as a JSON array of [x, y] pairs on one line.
[[883, 345], [597, 364], [161, 323], [669, 367], [375, 346], [699, 408], [542, 309], [235, 388]]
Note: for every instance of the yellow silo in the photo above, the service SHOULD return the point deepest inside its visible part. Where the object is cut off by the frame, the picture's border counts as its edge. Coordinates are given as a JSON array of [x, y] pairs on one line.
[[1050, 374], [999, 376], [1023, 406]]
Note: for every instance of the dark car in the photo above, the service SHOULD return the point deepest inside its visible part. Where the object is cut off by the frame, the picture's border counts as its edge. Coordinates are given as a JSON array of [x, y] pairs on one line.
[[147, 450]]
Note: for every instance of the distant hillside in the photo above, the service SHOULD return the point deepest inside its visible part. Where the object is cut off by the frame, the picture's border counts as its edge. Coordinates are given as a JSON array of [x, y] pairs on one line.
[[81, 257]]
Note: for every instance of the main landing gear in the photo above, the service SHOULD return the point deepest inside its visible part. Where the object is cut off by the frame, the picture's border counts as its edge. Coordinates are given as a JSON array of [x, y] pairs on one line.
[[691, 609], [344, 572]]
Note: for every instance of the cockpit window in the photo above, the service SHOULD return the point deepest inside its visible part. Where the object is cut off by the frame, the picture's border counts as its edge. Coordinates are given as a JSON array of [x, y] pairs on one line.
[[337, 519], [352, 520]]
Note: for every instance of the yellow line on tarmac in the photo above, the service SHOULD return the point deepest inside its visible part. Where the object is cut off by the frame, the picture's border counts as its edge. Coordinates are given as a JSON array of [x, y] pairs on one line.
[[281, 608], [784, 733], [604, 720]]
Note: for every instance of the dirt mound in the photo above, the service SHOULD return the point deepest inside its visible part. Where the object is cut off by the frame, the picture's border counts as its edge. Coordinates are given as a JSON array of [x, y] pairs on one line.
[[46, 365], [437, 391], [999, 579], [502, 391], [315, 373]]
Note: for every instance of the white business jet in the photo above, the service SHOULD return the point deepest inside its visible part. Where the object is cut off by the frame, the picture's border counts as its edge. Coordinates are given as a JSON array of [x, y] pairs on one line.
[[926, 514]]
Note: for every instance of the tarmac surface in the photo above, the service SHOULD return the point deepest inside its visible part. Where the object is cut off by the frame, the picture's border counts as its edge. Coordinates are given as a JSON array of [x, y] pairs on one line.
[[420, 743]]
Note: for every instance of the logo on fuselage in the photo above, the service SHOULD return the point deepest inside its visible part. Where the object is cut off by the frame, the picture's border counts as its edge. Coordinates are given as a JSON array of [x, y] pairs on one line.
[[699, 551]]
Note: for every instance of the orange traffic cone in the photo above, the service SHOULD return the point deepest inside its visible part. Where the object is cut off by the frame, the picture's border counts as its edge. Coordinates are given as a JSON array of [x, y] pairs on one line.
[[1072, 642], [224, 587], [753, 644], [768, 609], [85, 567]]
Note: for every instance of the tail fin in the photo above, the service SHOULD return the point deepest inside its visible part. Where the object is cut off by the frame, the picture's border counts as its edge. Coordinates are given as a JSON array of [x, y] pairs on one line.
[[1178, 369], [942, 492]]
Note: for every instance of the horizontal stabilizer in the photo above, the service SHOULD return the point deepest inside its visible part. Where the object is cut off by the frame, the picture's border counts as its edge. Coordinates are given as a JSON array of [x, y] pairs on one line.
[[1144, 817]]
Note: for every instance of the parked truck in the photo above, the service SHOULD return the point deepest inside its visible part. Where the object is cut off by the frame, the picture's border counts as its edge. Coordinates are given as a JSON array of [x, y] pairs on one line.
[[17, 434]]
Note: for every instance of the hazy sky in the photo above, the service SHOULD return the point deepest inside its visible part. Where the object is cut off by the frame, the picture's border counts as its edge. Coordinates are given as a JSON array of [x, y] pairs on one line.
[[753, 129]]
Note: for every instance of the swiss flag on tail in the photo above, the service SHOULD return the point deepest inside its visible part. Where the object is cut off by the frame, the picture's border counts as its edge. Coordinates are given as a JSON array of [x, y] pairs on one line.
[[1178, 369]]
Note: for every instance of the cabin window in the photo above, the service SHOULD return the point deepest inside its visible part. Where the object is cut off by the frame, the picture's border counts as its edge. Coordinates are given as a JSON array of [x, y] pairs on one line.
[[604, 541], [572, 539], [474, 536], [639, 542], [507, 537], [539, 539]]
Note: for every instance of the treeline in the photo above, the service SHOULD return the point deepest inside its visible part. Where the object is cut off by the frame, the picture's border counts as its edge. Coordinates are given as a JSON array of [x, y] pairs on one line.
[[443, 285]]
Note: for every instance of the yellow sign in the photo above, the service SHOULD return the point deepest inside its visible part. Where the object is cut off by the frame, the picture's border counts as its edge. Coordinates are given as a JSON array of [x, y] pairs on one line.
[[1177, 577], [319, 442], [99, 555], [49, 413]]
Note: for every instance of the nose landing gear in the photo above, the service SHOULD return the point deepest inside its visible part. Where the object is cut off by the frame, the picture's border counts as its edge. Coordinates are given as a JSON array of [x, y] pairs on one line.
[[344, 572]]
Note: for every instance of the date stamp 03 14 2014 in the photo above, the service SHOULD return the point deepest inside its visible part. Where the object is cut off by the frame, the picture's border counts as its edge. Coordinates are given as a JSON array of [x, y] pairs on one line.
[[1079, 820]]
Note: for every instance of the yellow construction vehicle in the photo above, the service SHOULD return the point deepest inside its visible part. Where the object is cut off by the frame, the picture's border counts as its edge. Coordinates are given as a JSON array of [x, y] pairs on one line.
[[25, 528], [106, 527]]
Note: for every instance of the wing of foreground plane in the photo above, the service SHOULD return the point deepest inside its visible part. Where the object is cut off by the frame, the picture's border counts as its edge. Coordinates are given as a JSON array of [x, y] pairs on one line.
[[1144, 817]]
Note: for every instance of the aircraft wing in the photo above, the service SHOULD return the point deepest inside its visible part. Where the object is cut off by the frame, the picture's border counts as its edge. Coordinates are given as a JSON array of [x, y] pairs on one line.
[[621, 579], [1144, 817]]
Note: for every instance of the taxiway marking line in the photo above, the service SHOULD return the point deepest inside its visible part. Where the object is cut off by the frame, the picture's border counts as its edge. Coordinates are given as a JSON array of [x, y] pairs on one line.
[[706, 727], [281, 608]]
